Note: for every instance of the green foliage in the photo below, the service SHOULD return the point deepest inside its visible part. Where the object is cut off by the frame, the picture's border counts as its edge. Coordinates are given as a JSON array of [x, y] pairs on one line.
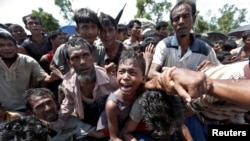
[[48, 22], [153, 10], [230, 18], [66, 8]]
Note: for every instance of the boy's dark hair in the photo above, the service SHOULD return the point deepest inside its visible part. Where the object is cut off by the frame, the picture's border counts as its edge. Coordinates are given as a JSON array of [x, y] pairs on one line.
[[229, 44], [86, 15], [188, 2], [107, 20], [26, 128], [13, 26], [31, 16], [221, 55], [53, 34], [131, 23], [35, 92], [162, 113], [245, 34], [121, 28], [131, 54], [75, 42], [161, 24], [7, 36]]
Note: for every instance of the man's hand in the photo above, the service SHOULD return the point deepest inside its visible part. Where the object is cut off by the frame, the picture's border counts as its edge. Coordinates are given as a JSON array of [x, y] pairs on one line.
[[185, 83], [204, 65]]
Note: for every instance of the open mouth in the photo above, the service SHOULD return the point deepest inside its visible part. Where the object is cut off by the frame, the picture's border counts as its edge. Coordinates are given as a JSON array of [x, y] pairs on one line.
[[126, 87]]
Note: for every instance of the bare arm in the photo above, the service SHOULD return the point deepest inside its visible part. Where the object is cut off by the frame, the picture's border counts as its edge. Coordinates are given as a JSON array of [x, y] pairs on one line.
[[155, 70], [233, 91], [112, 111], [130, 127]]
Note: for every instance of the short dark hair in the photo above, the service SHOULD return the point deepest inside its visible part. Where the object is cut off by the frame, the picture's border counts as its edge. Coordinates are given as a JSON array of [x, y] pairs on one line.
[[107, 20], [53, 34], [131, 54], [229, 44], [245, 34], [121, 28], [86, 15], [131, 23], [7, 36], [181, 2], [161, 113], [31, 16], [25, 128], [161, 24], [76, 41], [35, 92]]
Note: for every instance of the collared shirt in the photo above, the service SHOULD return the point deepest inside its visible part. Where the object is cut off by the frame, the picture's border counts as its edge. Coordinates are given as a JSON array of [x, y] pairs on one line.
[[170, 56], [73, 101], [14, 80]]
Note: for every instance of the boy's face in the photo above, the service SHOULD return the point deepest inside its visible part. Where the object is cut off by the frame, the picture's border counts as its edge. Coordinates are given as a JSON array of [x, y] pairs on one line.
[[108, 35], [122, 36], [8, 49], [18, 33], [88, 31], [129, 76], [34, 26]]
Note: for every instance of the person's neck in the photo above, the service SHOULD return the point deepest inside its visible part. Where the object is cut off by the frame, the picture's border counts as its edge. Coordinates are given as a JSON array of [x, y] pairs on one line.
[[184, 43], [133, 39], [9, 61], [87, 88], [37, 37], [112, 49]]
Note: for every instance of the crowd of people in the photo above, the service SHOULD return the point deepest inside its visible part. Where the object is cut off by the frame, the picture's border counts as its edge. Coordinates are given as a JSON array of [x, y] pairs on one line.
[[112, 81]]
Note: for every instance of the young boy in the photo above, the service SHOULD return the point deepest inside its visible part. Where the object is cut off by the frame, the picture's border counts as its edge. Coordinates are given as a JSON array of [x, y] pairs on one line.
[[130, 76]]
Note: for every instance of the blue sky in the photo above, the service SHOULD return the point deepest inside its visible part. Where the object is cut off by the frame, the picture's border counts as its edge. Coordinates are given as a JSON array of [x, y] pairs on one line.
[[11, 11]]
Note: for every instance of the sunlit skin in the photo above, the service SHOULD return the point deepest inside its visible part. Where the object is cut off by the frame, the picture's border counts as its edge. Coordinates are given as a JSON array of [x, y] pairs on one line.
[[7, 48], [108, 36], [88, 31], [136, 30], [44, 107], [129, 77], [34, 26], [182, 20], [18, 33], [81, 60]]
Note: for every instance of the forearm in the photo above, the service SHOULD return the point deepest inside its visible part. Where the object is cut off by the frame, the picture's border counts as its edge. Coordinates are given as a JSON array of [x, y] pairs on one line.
[[233, 91], [129, 137]]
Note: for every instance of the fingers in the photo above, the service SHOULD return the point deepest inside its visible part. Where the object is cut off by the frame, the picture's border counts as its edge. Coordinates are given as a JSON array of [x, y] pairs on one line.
[[182, 92]]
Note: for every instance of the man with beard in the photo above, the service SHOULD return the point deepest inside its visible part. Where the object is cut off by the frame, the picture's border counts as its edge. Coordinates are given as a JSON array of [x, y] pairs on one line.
[[84, 84], [41, 102], [16, 71], [183, 50]]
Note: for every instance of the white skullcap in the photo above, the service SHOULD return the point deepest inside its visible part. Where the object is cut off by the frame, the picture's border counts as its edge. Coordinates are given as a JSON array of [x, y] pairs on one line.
[[4, 31]]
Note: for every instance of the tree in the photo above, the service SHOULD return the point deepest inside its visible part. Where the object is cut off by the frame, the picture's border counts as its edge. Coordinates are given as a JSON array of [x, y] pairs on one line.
[[231, 18], [66, 8], [48, 22], [153, 10]]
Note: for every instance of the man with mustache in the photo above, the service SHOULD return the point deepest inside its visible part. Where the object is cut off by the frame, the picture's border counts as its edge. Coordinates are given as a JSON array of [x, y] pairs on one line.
[[182, 49], [41, 102]]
